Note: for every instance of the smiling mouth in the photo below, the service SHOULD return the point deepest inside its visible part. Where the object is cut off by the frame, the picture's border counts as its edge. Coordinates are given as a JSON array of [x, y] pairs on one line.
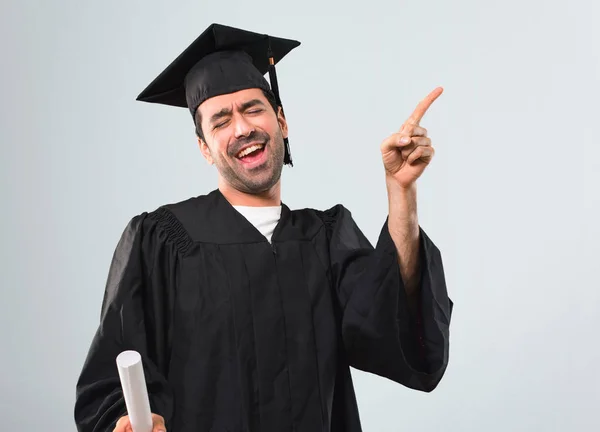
[[253, 150]]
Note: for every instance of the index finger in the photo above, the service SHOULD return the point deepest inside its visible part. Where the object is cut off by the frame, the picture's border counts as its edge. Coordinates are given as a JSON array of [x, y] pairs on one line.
[[423, 106]]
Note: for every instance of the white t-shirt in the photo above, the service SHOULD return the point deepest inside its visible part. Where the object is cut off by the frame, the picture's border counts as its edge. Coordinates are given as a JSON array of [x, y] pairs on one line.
[[265, 219]]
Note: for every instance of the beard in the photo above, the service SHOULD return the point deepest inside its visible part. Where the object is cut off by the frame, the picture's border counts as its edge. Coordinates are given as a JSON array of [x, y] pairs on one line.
[[259, 179]]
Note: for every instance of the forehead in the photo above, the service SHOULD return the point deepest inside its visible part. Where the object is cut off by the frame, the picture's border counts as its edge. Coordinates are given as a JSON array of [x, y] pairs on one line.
[[230, 101]]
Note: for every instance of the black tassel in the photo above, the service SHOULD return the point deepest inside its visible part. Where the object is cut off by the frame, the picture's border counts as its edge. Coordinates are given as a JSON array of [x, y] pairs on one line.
[[287, 159]]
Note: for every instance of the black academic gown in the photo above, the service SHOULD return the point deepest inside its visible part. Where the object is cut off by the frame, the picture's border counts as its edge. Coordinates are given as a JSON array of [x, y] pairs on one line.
[[240, 335]]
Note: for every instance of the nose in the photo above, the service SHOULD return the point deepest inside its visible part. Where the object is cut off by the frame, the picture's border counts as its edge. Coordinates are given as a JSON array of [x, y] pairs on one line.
[[242, 128]]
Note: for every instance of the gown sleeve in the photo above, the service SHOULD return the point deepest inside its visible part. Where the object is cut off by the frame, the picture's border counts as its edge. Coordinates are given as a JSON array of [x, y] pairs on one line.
[[135, 316], [379, 334]]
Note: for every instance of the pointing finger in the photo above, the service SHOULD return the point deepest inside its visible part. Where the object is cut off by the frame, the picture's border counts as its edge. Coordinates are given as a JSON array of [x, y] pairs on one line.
[[423, 106]]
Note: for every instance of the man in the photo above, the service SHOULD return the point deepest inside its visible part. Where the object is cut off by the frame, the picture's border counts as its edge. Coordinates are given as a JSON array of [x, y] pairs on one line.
[[249, 315]]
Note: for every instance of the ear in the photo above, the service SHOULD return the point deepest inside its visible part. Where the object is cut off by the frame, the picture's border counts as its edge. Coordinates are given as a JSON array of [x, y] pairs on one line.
[[205, 151], [282, 122]]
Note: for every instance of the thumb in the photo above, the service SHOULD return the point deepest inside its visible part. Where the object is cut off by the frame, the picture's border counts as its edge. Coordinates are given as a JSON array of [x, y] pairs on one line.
[[158, 423], [394, 142], [123, 425]]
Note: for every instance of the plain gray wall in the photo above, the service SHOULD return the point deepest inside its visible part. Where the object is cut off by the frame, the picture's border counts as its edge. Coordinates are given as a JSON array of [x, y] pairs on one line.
[[511, 197]]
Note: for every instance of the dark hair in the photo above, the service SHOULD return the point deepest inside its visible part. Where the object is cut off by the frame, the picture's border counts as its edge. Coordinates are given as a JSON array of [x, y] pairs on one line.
[[198, 118]]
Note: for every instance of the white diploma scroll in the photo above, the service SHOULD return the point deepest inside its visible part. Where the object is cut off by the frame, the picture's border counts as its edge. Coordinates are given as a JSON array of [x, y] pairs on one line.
[[133, 382]]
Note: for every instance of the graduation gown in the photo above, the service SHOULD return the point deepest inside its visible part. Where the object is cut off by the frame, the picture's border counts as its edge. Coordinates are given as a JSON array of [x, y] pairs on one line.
[[241, 335]]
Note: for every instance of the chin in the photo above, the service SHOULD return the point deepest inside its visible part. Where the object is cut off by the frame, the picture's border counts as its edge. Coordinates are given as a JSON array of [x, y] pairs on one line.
[[259, 187], [260, 183]]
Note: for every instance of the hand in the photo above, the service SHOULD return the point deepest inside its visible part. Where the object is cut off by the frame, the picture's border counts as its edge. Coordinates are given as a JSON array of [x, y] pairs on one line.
[[158, 424], [407, 153]]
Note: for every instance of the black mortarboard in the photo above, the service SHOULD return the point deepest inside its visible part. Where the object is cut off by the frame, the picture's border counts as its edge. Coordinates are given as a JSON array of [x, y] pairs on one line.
[[221, 60]]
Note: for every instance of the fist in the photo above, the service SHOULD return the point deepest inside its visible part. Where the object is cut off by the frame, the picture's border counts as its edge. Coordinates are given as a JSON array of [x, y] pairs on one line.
[[158, 424]]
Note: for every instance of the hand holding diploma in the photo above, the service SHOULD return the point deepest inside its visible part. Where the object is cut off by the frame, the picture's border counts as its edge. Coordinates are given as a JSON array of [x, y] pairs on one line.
[[140, 419]]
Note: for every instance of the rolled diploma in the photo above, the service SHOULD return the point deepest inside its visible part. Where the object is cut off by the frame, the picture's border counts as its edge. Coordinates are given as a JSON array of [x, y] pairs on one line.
[[133, 382]]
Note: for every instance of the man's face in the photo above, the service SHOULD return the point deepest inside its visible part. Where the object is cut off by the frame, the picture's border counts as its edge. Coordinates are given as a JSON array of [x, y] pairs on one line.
[[243, 137]]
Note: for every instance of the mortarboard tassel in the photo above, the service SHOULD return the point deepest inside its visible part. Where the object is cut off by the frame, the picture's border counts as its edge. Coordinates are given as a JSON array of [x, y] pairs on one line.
[[275, 87]]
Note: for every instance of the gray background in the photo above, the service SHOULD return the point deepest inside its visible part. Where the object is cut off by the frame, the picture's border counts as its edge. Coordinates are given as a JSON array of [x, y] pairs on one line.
[[511, 197]]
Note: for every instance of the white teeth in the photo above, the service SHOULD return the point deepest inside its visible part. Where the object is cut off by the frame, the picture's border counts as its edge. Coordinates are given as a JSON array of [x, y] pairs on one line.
[[249, 150]]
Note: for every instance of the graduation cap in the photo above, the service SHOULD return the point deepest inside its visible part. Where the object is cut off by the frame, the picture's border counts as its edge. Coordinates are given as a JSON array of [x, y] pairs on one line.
[[221, 60]]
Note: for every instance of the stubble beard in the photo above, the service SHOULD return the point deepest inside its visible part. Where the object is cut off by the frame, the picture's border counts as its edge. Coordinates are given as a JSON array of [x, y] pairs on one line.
[[260, 179]]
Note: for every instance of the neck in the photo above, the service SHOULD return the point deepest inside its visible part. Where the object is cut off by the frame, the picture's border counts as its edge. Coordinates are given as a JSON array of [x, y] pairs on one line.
[[271, 197]]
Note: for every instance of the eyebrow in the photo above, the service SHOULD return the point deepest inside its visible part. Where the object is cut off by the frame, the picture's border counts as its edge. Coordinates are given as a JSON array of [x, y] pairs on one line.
[[226, 111]]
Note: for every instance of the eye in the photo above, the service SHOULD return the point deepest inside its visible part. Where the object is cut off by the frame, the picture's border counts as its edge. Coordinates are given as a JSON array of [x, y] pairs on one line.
[[255, 111], [220, 125]]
